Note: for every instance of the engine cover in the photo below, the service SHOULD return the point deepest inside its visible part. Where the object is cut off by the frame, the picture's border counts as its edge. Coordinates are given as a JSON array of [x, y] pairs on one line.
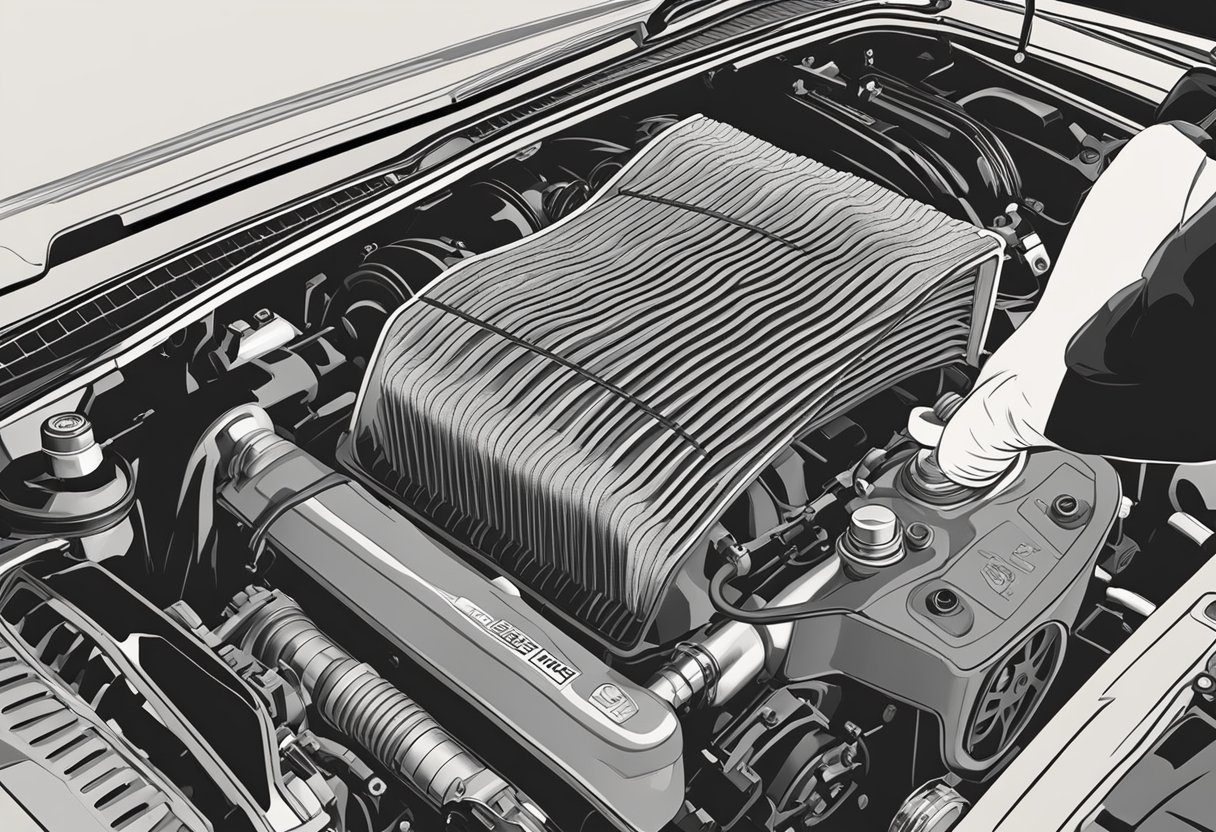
[[613, 742], [970, 622], [580, 407]]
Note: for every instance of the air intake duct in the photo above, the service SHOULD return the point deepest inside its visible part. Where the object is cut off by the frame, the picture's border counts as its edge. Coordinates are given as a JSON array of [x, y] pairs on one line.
[[369, 709]]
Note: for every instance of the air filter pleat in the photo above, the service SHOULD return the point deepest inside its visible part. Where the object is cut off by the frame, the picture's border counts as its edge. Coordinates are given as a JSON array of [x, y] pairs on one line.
[[582, 405]]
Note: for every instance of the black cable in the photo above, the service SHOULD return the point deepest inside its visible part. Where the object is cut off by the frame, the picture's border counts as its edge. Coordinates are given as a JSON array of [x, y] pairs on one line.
[[766, 615]]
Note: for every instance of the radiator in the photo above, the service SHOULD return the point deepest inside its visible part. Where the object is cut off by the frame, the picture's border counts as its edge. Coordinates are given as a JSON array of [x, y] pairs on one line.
[[578, 408]]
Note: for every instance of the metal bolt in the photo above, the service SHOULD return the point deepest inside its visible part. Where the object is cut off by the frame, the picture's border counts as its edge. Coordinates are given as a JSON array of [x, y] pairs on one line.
[[1089, 155], [1065, 507], [458, 788], [768, 716], [943, 602], [1040, 265], [918, 535]]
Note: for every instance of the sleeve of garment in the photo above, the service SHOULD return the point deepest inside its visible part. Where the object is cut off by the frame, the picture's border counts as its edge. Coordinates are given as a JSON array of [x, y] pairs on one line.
[[1141, 373]]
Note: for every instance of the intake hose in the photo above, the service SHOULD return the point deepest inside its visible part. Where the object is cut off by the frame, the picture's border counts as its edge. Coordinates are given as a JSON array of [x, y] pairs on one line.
[[363, 705]]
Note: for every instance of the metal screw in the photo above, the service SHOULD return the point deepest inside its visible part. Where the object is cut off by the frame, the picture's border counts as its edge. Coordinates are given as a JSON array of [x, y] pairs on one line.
[[768, 716], [1089, 155]]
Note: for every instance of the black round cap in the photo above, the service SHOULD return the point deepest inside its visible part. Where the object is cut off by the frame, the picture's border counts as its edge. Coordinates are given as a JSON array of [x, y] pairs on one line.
[[943, 601]]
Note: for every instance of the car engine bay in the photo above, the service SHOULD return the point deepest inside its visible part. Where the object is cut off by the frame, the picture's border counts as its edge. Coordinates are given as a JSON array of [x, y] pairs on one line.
[[598, 491]]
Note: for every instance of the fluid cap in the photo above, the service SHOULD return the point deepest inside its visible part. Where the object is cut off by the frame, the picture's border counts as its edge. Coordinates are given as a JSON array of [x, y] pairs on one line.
[[69, 446], [70, 487], [873, 525], [874, 539], [922, 477]]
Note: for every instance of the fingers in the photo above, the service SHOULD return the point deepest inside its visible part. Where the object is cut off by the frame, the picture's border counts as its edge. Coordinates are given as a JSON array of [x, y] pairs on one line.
[[996, 423], [1141, 198]]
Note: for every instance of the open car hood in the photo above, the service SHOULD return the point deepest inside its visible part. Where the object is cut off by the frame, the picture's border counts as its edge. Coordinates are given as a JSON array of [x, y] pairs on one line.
[[181, 102]]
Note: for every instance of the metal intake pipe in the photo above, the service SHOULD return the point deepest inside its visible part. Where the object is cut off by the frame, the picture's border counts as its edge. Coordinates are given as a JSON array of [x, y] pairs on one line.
[[713, 666], [369, 709]]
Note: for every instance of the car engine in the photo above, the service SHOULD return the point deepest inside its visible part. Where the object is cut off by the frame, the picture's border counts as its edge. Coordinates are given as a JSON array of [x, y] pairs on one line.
[[595, 491]]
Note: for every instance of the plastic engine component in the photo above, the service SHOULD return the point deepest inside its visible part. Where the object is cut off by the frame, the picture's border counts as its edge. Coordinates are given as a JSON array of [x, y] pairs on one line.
[[971, 623]]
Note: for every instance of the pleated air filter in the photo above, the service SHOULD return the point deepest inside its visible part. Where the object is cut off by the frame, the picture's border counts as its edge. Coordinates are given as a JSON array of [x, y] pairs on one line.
[[580, 407]]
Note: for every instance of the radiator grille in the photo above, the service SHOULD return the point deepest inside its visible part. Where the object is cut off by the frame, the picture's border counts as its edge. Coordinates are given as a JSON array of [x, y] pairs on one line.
[[582, 405], [36, 720]]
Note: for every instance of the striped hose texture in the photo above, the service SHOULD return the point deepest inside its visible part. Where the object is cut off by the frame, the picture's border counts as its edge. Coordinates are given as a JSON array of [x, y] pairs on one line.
[[361, 703], [582, 405]]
